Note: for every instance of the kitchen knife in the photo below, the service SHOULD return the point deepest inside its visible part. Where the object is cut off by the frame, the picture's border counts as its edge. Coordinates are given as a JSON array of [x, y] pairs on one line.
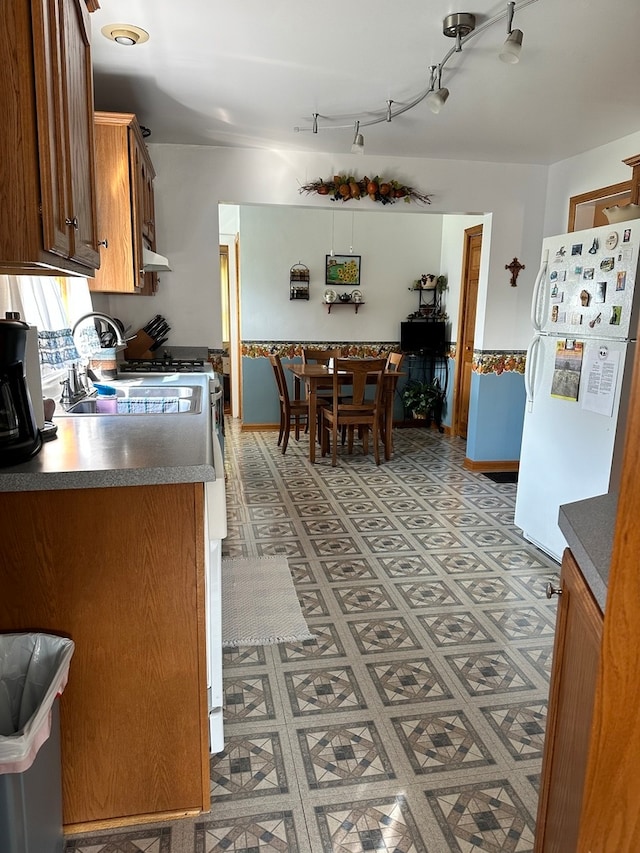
[[158, 344], [154, 331], [150, 324]]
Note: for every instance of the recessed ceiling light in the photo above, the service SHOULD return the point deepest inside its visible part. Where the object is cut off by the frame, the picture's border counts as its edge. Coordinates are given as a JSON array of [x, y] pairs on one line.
[[125, 34]]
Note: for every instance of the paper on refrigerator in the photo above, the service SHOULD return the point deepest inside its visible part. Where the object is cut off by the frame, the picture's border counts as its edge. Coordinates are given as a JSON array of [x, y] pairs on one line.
[[601, 365]]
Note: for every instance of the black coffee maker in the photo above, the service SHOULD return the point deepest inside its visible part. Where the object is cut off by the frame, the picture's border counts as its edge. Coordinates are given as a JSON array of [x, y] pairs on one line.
[[20, 438]]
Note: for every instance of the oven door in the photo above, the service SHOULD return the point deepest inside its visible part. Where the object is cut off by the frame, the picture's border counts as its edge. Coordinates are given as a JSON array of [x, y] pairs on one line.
[[215, 523]]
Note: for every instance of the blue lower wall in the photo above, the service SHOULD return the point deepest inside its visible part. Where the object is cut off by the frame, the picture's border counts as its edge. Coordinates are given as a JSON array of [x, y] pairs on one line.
[[496, 415], [496, 408], [260, 396]]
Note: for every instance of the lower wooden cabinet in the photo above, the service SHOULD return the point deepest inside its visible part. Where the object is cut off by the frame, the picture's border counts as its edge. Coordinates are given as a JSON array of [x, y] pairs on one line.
[[576, 657], [121, 572]]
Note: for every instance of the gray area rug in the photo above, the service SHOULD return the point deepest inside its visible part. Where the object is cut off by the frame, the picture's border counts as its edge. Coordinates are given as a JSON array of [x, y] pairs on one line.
[[259, 603]]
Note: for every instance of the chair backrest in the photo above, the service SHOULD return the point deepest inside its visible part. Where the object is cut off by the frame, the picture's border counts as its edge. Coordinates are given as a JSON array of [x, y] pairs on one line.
[[319, 356], [394, 361], [281, 381], [365, 373]]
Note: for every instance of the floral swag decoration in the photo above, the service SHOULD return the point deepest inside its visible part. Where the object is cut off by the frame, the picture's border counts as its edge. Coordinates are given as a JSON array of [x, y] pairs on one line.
[[345, 187]]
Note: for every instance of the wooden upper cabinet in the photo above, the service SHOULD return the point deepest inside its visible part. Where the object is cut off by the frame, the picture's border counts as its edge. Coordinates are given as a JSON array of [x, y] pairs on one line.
[[47, 204], [79, 122], [124, 171]]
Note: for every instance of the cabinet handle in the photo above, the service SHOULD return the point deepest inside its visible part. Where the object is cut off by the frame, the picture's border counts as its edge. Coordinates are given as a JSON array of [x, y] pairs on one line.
[[553, 590], [73, 222], [104, 243]]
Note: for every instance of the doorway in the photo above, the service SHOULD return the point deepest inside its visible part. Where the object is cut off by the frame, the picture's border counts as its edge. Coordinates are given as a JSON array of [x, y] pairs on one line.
[[466, 328], [225, 315]]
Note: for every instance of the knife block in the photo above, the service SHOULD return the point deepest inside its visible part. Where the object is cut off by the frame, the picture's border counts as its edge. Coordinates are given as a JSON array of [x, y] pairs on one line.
[[139, 347]]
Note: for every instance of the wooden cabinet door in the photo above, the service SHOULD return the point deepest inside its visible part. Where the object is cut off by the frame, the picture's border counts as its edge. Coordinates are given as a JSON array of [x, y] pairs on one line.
[[47, 209], [52, 135], [114, 210], [134, 722], [148, 204], [576, 656], [137, 206], [79, 124]]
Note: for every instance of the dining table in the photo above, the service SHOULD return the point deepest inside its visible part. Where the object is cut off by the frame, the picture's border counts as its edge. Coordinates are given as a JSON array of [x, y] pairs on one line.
[[316, 376]]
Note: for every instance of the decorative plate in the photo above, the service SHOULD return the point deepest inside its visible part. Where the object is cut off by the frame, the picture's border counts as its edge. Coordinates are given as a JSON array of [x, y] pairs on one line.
[[356, 295], [330, 295], [612, 240]]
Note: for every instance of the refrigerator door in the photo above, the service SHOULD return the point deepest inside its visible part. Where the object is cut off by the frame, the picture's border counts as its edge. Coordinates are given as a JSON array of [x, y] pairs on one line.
[[588, 286], [568, 451]]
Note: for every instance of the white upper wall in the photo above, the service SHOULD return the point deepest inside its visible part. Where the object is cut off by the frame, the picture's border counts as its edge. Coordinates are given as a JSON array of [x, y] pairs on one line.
[[192, 180], [394, 251], [600, 167], [524, 204]]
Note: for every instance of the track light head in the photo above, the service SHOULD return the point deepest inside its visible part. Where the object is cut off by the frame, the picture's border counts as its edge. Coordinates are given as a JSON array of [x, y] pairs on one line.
[[437, 99], [510, 52], [357, 146]]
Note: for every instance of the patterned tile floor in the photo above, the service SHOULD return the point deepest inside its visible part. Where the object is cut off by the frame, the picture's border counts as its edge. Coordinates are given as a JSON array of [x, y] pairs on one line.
[[414, 722]]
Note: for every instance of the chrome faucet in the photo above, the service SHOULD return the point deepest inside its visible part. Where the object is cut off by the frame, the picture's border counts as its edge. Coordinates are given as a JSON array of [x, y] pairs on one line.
[[120, 341]]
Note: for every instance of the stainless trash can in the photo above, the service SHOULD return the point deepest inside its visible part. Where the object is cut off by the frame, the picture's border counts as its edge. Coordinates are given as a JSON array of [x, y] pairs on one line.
[[34, 668]]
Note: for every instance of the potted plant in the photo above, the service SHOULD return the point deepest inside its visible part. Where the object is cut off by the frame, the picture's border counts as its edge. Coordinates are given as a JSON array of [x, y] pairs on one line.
[[423, 399]]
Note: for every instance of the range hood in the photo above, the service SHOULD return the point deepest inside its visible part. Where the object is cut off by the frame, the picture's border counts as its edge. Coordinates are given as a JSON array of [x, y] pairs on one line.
[[152, 262]]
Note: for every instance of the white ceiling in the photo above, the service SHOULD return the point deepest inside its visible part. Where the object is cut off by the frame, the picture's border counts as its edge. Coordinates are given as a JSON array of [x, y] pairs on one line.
[[245, 73]]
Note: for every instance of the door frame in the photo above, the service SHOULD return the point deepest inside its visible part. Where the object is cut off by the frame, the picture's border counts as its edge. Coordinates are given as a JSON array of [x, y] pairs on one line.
[[469, 233]]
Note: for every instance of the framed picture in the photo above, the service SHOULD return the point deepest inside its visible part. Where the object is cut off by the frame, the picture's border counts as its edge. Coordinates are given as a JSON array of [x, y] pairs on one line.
[[343, 269]]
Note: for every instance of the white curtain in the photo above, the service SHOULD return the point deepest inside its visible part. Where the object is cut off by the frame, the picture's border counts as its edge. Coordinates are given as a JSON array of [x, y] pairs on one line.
[[52, 305]]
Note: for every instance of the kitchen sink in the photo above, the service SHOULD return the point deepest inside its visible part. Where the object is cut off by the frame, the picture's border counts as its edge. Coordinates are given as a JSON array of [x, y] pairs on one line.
[[144, 400]]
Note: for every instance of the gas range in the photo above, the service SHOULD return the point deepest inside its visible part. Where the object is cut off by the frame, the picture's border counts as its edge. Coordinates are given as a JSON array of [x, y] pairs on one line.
[[161, 365]]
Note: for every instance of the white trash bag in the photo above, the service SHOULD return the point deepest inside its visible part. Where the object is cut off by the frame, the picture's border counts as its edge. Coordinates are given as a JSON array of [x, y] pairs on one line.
[[34, 669]]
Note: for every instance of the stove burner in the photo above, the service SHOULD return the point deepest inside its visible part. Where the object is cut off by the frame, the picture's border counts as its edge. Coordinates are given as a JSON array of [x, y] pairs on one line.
[[159, 365]]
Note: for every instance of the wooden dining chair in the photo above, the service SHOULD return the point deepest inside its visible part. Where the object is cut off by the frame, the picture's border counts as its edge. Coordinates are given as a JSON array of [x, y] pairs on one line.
[[393, 365], [394, 361], [296, 411], [362, 410], [311, 355]]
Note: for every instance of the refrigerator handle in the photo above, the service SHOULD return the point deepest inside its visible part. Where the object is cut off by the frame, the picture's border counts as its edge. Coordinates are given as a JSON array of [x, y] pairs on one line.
[[538, 310], [530, 370]]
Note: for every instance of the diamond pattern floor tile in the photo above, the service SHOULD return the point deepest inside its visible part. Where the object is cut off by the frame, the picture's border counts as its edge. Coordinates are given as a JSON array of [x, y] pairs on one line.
[[427, 673]]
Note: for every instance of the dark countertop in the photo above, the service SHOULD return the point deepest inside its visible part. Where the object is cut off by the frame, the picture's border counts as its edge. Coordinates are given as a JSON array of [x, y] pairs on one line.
[[588, 527], [122, 450]]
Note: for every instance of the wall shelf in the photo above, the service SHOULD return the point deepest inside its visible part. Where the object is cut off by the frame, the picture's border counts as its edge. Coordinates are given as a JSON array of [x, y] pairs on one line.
[[331, 305]]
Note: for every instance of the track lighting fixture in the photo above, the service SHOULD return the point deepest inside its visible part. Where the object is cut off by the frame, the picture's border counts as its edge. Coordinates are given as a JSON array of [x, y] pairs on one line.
[[357, 146], [510, 52], [462, 27], [436, 98]]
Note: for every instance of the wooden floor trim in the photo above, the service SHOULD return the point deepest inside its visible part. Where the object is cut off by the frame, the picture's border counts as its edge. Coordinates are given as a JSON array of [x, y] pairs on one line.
[[487, 466], [129, 820]]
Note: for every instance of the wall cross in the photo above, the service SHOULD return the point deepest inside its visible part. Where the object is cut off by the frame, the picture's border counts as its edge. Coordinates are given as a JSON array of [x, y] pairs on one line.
[[514, 268]]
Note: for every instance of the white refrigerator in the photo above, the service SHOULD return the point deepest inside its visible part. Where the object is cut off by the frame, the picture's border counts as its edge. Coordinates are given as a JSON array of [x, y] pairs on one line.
[[577, 376]]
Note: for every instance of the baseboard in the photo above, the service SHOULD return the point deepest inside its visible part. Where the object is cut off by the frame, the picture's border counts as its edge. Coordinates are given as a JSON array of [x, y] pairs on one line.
[[416, 423], [484, 466], [260, 427], [132, 820]]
